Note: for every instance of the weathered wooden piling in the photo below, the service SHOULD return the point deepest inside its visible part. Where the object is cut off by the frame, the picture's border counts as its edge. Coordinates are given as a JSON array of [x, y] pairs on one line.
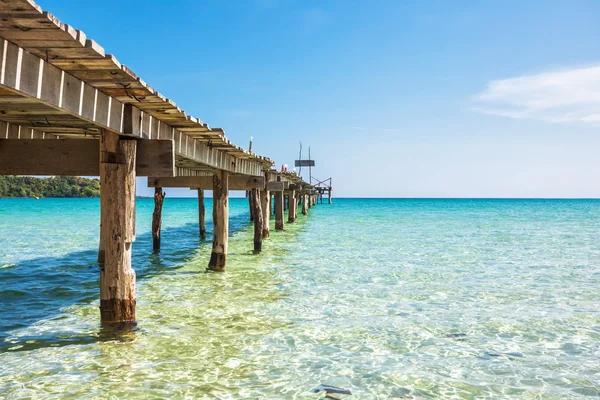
[[218, 256], [265, 203], [117, 213], [159, 197], [292, 207], [258, 220], [305, 204], [201, 214], [251, 209], [279, 211]]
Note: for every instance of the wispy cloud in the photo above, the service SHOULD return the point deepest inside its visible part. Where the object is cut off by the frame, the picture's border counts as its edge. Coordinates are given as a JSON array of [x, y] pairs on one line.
[[569, 95]]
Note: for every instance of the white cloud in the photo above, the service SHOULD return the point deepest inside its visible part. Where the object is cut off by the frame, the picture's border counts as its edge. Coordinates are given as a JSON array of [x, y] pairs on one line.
[[571, 95]]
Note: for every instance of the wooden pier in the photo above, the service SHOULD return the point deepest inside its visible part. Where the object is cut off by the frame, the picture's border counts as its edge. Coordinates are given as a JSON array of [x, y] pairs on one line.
[[67, 108]]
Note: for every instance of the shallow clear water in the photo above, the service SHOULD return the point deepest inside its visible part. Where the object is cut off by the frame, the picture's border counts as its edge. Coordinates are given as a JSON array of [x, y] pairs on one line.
[[362, 294]]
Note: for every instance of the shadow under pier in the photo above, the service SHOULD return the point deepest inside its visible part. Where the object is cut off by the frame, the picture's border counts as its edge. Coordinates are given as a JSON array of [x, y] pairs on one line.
[[38, 289]]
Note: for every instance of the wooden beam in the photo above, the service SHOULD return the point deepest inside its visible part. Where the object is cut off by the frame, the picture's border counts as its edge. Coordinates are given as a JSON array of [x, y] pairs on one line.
[[277, 186], [218, 256], [236, 182], [155, 157], [73, 157]]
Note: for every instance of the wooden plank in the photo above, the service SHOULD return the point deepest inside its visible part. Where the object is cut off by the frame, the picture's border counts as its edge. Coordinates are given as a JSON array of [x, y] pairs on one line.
[[71, 157], [236, 182]]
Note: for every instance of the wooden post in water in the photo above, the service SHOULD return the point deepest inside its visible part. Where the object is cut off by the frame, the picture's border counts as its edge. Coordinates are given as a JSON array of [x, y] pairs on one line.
[[258, 220], [251, 209], [304, 204], [159, 197], [279, 211], [292, 207], [201, 214], [218, 256], [265, 204], [286, 203], [117, 214]]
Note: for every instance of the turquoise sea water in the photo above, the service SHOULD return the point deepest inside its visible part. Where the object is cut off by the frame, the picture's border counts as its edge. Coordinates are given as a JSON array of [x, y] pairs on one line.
[[388, 298]]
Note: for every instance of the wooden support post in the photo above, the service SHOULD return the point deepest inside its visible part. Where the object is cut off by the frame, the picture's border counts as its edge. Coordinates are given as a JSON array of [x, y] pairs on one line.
[[279, 211], [249, 194], [117, 214], [265, 203], [159, 197], [292, 207], [305, 204], [258, 220], [201, 214], [329, 195], [218, 256], [286, 203]]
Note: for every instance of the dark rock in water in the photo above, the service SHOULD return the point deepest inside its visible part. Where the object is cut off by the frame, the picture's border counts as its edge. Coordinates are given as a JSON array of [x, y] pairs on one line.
[[487, 353], [519, 355], [510, 355], [328, 389], [458, 336]]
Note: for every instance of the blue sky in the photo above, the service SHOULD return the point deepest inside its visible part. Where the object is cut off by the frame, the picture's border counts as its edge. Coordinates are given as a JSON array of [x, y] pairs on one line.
[[395, 98]]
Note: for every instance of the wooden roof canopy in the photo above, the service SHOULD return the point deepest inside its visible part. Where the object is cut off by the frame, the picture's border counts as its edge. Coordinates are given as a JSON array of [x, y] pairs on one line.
[[93, 78]]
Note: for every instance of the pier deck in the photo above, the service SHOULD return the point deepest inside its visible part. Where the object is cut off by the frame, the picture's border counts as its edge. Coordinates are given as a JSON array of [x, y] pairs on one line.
[[68, 108]]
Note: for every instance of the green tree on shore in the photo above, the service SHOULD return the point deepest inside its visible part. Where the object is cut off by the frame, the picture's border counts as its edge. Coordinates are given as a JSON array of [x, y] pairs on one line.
[[58, 186]]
